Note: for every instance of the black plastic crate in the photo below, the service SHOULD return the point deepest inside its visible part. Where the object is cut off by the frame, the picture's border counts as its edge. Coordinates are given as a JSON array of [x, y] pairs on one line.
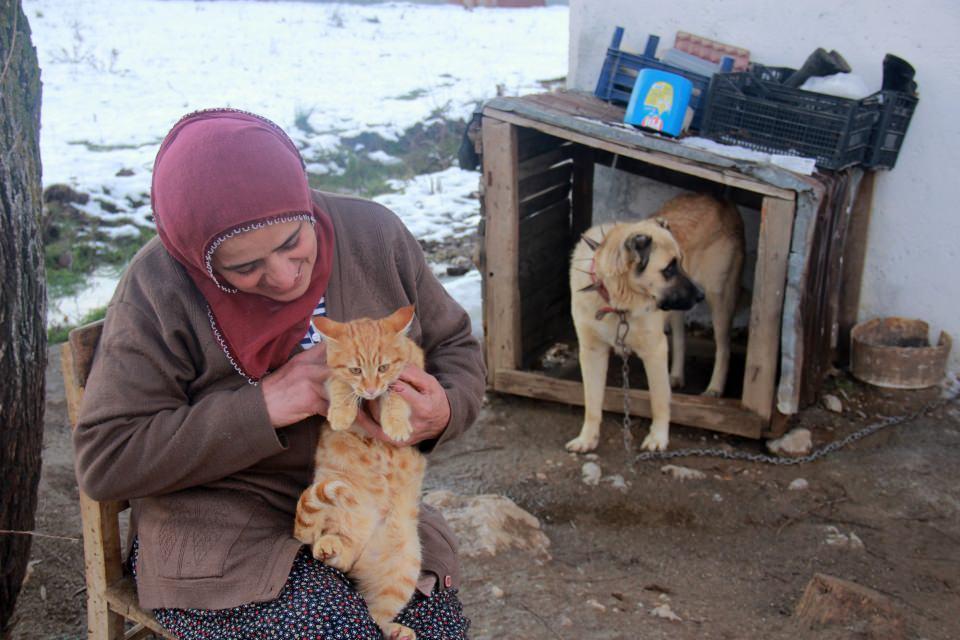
[[752, 109], [895, 112], [620, 69]]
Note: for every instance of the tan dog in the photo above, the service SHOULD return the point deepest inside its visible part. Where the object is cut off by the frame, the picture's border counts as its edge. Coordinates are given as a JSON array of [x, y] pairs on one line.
[[641, 269]]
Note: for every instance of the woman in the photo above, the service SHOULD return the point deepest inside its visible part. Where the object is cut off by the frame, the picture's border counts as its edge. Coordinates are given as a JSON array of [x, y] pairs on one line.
[[196, 411]]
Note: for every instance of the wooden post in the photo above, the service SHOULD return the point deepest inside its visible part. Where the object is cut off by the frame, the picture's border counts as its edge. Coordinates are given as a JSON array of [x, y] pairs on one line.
[[766, 309], [101, 535], [501, 203], [854, 257]]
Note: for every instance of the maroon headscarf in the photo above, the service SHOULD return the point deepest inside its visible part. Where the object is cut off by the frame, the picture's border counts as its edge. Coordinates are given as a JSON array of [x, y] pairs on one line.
[[221, 172]]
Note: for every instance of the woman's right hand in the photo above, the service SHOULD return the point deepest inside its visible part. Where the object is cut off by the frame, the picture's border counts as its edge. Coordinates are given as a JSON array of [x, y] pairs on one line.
[[298, 389]]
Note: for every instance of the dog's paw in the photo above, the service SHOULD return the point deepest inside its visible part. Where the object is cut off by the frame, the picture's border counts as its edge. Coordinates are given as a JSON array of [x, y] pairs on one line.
[[676, 382], [582, 444], [655, 442], [711, 393]]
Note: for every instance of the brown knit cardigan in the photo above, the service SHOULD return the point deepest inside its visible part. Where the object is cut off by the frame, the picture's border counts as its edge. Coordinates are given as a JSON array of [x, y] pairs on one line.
[[168, 423]]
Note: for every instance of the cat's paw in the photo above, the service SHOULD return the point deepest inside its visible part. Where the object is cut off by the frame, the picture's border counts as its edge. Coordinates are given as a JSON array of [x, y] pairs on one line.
[[333, 551], [397, 429], [342, 418], [396, 631]]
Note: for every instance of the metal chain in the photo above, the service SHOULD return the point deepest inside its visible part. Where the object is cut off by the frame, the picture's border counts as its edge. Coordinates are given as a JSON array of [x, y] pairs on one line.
[[624, 351], [776, 460], [622, 329]]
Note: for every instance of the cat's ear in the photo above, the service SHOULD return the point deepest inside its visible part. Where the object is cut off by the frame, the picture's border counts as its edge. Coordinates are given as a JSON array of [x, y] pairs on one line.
[[329, 329], [399, 321]]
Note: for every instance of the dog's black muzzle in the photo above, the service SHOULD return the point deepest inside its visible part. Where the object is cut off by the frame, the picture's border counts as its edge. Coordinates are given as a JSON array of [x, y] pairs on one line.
[[684, 295]]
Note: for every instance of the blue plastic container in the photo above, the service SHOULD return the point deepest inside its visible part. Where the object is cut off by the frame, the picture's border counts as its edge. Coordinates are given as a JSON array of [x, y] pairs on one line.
[[659, 101]]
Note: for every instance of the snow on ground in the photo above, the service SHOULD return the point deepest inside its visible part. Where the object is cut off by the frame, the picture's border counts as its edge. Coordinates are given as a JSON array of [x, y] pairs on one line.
[[436, 205], [116, 76]]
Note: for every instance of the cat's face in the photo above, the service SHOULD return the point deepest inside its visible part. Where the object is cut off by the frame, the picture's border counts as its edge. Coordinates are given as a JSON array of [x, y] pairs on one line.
[[367, 354]]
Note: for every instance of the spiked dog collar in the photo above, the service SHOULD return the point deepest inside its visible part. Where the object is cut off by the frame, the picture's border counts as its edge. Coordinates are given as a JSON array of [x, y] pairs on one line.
[[596, 284]]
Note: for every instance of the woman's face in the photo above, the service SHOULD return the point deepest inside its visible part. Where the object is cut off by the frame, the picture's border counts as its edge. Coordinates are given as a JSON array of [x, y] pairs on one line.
[[275, 261]]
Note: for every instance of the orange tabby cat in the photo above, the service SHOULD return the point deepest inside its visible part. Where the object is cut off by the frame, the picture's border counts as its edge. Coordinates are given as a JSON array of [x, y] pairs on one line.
[[360, 514]]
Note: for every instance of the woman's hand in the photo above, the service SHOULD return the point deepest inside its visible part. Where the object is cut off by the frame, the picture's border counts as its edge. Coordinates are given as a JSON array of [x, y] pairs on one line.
[[429, 407], [298, 389]]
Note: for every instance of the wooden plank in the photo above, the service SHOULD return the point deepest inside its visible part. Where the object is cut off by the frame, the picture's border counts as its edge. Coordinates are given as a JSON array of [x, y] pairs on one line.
[[123, 599], [102, 565], [138, 632], [544, 161], [544, 260], [722, 176], [531, 142], [501, 243], [556, 216], [84, 340], [533, 185], [559, 193], [766, 308], [683, 181], [581, 194], [716, 414], [854, 258]]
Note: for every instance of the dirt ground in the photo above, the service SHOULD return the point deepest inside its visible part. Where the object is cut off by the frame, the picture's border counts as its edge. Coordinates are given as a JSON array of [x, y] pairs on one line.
[[730, 553]]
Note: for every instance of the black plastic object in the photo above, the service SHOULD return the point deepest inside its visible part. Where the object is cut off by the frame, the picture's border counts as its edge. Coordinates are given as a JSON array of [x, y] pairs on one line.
[[756, 110]]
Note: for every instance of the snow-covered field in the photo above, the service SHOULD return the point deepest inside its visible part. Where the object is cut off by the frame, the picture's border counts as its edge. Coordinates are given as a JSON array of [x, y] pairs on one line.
[[116, 75]]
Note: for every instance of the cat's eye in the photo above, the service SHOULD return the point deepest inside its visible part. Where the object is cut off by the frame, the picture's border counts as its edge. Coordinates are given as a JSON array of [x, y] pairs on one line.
[[355, 370], [383, 368]]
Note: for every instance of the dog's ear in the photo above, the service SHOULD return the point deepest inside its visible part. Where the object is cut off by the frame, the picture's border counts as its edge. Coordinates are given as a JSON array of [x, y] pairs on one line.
[[640, 245], [662, 222]]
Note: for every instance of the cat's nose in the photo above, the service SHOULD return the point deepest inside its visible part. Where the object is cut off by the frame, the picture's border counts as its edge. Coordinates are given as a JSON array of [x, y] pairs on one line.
[[371, 392]]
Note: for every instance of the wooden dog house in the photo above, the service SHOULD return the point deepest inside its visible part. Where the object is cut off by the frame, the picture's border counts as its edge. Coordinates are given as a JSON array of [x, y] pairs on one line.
[[538, 155]]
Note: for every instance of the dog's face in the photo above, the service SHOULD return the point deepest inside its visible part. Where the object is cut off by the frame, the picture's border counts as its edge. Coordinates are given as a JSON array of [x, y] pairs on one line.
[[644, 258]]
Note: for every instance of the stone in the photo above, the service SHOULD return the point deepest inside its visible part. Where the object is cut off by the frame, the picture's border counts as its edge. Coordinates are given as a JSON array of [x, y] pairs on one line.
[[832, 403], [798, 442], [591, 473], [489, 524], [836, 538], [459, 266], [664, 611], [834, 602], [596, 605], [496, 591], [798, 484], [682, 473], [616, 481]]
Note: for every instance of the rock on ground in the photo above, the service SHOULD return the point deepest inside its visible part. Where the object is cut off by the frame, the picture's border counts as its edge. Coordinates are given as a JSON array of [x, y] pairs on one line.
[[488, 524], [682, 473], [834, 602], [793, 445]]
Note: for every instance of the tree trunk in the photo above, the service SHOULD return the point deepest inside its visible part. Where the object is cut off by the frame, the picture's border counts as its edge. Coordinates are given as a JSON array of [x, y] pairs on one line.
[[23, 339]]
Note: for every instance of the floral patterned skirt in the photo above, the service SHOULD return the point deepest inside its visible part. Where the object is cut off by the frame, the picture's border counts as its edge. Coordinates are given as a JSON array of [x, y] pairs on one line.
[[317, 603]]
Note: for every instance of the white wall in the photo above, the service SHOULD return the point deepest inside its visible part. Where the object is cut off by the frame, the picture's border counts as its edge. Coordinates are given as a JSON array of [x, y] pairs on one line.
[[914, 240]]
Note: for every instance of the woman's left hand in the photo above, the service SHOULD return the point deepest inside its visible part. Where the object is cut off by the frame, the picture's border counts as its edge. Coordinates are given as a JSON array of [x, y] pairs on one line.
[[429, 407]]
